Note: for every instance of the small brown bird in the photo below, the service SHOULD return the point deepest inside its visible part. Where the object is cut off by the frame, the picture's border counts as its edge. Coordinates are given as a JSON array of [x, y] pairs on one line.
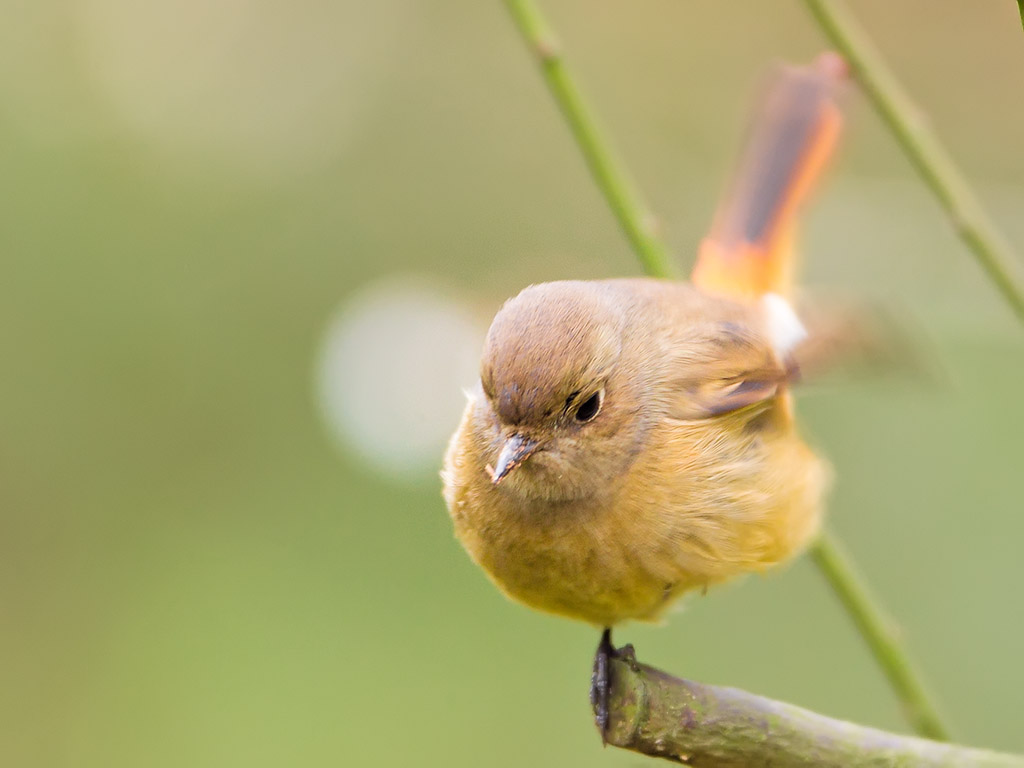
[[631, 440]]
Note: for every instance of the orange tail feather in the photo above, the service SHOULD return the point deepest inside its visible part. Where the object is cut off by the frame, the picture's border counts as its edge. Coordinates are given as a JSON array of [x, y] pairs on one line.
[[749, 251]]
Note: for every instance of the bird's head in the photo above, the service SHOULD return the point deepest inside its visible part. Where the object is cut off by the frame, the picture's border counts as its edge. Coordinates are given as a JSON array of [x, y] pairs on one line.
[[560, 406]]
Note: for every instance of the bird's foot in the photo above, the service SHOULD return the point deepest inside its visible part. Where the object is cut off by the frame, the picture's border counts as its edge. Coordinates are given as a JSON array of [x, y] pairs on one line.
[[601, 681]]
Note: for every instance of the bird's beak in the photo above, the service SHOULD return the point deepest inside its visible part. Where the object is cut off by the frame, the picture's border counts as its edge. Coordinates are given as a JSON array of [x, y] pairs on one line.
[[514, 452]]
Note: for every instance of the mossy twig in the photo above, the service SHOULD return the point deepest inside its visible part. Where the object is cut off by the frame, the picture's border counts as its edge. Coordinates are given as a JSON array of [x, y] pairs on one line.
[[656, 714]]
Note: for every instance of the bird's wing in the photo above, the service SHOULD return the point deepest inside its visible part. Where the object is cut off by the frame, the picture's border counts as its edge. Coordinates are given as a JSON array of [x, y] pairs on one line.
[[722, 366], [749, 250]]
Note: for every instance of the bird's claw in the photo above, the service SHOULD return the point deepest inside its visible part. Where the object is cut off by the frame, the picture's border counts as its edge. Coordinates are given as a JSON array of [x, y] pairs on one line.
[[601, 681]]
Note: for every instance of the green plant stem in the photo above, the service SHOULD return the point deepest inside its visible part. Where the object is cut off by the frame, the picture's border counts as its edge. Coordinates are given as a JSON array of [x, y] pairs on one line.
[[652, 255], [633, 216], [923, 148], [1020, 7], [882, 639]]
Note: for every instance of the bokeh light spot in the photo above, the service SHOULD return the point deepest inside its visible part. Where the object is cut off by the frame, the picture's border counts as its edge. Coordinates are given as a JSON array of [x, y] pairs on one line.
[[394, 361], [269, 87]]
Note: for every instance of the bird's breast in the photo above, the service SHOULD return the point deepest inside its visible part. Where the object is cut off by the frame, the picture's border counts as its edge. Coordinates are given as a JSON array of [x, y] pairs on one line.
[[702, 502]]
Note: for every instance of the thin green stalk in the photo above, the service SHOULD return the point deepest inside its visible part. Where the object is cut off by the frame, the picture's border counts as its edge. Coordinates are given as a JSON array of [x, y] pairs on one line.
[[633, 216], [1020, 7], [881, 637], [924, 149], [652, 253]]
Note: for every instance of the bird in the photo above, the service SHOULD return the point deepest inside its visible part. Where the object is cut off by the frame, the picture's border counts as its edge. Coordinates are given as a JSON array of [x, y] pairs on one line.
[[631, 440]]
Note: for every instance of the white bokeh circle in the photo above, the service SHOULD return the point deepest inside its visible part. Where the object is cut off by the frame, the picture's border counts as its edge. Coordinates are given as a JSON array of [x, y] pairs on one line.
[[393, 365]]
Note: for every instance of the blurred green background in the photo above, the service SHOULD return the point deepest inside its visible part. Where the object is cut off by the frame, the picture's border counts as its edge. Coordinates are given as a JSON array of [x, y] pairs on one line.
[[210, 554]]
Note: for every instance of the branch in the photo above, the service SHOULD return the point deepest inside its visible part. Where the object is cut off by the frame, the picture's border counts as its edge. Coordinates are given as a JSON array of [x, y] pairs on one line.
[[880, 635], [925, 151], [634, 218], [632, 215], [658, 715]]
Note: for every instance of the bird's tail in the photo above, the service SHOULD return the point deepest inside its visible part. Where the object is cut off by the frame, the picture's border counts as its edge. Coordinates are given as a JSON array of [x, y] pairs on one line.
[[749, 251]]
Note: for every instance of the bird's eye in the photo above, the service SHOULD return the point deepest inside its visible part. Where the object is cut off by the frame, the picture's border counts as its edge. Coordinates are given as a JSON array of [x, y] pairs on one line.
[[589, 408]]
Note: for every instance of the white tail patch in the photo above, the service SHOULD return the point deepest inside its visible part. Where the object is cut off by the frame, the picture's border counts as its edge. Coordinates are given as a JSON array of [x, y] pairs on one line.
[[784, 327]]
